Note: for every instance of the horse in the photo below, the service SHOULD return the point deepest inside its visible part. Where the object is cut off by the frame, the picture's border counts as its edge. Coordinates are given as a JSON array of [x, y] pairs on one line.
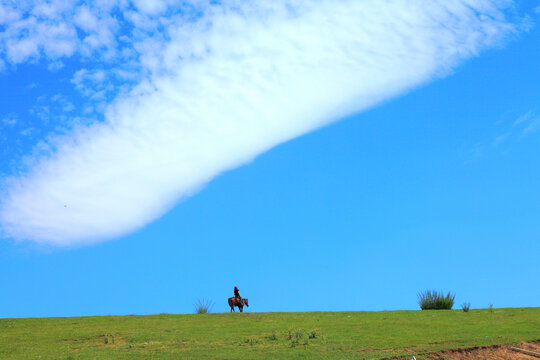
[[234, 301]]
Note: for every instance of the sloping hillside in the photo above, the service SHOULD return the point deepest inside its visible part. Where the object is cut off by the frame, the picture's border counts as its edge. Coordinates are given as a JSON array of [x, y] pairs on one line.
[[313, 335]]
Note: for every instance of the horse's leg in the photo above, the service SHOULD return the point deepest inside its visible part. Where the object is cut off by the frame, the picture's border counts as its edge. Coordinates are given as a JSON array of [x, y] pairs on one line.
[[241, 308]]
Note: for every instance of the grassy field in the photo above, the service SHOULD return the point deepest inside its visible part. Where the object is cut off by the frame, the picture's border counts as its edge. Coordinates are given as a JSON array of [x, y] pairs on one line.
[[314, 335]]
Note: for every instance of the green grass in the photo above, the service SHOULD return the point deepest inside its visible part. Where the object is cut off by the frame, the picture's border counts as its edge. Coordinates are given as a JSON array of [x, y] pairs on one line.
[[313, 335]]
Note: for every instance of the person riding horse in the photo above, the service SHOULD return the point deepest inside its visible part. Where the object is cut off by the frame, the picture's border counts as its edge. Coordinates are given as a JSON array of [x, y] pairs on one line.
[[237, 293], [237, 300], [234, 301]]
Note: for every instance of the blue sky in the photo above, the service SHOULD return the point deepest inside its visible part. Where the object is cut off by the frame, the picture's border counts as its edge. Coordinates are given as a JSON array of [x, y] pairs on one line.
[[165, 155]]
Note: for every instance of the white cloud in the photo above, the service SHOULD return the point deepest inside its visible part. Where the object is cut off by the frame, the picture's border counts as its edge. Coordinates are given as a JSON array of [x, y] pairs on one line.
[[524, 118], [85, 19], [236, 82], [27, 38], [41, 112], [10, 119], [528, 122], [65, 105], [37, 28], [89, 81], [533, 126], [99, 31], [55, 65], [57, 40], [82, 75], [51, 9], [20, 50], [68, 107], [501, 138], [152, 7], [8, 14]]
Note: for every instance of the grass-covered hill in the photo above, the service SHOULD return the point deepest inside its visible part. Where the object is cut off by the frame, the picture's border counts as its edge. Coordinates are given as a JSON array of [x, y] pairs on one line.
[[313, 335]]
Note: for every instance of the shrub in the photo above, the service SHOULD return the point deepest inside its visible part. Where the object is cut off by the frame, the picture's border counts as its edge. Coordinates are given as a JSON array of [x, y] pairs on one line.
[[108, 338], [273, 336], [433, 300], [252, 341], [297, 337], [466, 306], [203, 306]]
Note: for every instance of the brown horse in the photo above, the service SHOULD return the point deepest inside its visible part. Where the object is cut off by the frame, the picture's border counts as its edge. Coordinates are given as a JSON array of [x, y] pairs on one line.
[[234, 301]]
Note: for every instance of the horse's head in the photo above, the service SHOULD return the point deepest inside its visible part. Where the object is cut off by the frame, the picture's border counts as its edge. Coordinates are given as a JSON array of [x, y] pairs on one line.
[[245, 302]]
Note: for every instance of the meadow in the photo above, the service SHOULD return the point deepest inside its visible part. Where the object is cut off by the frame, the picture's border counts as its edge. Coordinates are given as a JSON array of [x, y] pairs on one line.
[[307, 335]]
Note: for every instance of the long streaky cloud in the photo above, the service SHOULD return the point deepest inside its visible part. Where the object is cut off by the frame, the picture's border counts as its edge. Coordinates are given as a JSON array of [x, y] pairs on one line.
[[226, 87]]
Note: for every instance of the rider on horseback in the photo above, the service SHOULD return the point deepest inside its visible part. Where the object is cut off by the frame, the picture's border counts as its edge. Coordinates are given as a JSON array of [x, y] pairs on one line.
[[237, 293], [237, 301]]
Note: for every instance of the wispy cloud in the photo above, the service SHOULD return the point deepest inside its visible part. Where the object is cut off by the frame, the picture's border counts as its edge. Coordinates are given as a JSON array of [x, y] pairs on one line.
[[221, 85], [512, 131], [523, 118], [10, 119], [501, 138], [533, 125], [527, 123], [55, 65]]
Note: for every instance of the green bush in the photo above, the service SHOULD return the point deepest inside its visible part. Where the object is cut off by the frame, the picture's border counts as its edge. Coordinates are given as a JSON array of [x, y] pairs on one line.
[[466, 306], [273, 336], [203, 306], [252, 341], [297, 337], [433, 300]]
